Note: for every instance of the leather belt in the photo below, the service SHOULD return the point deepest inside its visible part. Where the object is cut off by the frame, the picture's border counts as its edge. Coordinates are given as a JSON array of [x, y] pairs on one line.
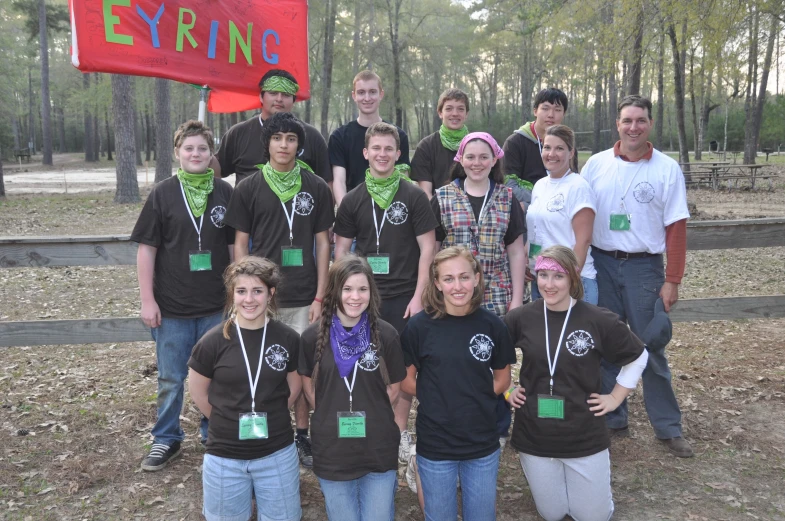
[[623, 255]]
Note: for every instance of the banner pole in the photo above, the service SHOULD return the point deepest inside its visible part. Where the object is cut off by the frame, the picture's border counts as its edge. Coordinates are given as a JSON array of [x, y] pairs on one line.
[[204, 93]]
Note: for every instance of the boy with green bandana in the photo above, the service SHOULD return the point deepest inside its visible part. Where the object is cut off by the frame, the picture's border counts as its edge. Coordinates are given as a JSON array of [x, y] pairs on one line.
[[523, 164], [391, 219], [435, 154], [283, 208], [184, 247]]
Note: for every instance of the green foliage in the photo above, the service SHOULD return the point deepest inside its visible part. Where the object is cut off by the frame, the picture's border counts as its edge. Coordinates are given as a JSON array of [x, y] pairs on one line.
[[57, 18]]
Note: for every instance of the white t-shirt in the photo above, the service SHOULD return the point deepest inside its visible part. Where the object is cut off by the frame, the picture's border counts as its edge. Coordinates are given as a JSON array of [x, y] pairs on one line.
[[549, 216], [651, 191]]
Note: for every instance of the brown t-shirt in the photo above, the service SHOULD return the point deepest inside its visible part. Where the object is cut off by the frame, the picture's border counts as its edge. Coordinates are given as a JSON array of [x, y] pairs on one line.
[[229, 394], [257, 211], [165, 223], [408, 216], [343, 459], [592, 334], [432, 162]]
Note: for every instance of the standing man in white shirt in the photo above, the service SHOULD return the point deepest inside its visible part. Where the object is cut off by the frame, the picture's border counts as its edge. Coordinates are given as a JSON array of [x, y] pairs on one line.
[[641, 214]]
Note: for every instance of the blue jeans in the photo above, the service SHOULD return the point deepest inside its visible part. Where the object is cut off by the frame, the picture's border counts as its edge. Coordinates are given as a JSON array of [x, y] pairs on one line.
[[630, 288], [174, 340], [439, 481], [229, 484], [369, 498], [590, 293]]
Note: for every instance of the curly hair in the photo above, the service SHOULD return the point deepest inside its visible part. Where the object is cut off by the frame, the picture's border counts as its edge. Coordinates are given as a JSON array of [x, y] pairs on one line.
[[263, 269], [282, 122], [433, 298], [350, 264]]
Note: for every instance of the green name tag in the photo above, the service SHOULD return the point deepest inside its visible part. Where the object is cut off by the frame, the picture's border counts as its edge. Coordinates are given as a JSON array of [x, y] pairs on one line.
[[550, 407], [380, 263], [534, 249], [200, 260], [351, 424], [291, 256], [253, 426], [620, 222]]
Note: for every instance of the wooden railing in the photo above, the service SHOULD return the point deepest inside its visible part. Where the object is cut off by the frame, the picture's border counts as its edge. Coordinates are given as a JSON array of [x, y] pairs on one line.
[[118, 250]]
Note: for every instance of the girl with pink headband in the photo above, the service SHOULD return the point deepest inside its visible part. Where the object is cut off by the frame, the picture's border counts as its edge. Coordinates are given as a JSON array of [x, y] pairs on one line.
[[559, 431]]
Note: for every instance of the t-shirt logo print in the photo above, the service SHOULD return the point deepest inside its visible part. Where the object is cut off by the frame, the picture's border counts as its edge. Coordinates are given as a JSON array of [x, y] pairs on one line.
[[644, 192], [303, 203], [277, 357], [397, 213], [217, 216], [481, 347], [556, 203], [579, 342], [370, 360]]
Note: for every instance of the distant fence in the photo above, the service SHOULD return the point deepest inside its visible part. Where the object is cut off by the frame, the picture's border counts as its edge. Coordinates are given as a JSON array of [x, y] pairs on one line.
[[118, 250]]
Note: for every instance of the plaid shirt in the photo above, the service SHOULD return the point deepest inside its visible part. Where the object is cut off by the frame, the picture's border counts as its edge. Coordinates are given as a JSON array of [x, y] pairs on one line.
[[486, 242]]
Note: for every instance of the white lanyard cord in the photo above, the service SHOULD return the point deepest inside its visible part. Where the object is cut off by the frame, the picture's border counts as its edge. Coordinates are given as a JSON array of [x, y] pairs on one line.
[[618, 180], [253, 383], [351, 387], [191, 215], [552, 367], [484, 201], [260, 121], [376, 223], [289, 220]]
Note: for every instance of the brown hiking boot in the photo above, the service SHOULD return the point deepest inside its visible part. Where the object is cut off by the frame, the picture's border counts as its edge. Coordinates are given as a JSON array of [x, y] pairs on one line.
[[679, 447]]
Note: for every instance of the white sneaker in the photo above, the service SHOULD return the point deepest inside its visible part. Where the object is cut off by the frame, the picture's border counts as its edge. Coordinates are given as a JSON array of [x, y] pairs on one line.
[[404, 449], [411, 469]]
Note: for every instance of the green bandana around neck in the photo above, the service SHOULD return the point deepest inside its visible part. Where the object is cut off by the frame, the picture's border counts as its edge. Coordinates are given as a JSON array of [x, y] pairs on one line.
[[280, 84], [197, 187], [383, 190], [285, 184], [451, 139]]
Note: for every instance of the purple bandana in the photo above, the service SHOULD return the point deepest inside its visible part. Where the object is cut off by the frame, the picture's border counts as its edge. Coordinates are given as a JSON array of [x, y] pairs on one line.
[[349, 346]]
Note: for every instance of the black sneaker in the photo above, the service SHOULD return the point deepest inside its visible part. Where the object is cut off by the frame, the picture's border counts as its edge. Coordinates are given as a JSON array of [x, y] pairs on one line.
[[160, 455], [303, 444]]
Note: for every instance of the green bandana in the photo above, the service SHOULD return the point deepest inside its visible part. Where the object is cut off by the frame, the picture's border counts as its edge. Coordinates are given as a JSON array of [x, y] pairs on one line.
[[451, 139], [285, 184], [518, 181], [383, 190], [280, 84], [197, 187]]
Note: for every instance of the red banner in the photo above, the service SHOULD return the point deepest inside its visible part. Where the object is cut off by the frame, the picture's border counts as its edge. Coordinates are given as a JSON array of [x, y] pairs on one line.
[[227, 45]]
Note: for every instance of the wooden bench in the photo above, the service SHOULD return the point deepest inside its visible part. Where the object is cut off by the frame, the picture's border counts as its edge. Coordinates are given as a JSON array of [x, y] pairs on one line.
[[19, 153]]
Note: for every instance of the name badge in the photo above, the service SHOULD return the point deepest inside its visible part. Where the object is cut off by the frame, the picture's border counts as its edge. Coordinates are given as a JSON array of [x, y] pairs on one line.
[[291, 256], [351, 424], [534, 249], [200, 260], [620, 222], [380, 263], [253, 426], [551, 407]]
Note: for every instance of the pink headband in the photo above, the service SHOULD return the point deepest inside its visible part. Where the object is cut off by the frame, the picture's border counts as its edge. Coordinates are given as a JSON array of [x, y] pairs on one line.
[[546, 263], [497, 151]]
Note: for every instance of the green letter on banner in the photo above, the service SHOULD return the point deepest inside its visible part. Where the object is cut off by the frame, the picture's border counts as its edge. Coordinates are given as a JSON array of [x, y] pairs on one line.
[[183, 29], [111, 20], [234, 38]]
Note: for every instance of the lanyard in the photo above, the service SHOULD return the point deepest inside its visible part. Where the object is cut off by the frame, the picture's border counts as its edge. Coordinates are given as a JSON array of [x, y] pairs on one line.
[[376, 224], [260, 121], [552, 367], [484, 201], [251, 381], [191, 215], [289, 220], [351, 387], [618, 180]]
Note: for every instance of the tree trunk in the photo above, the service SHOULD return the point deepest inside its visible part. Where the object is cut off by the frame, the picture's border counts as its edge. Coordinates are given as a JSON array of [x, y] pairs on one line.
[[597, 144], [148, 142], [327, 65], [761, 101], [89, 156], [749, 102], [659, 120], [2, 182], [394, 18], [108, 135], [31, 117], [60, 124], [678, 80], [356, 49], [634, 85], [46, 108], [613, 103], [15, 130], [137, 134], [694, 107], [163, 130], [123, 112]]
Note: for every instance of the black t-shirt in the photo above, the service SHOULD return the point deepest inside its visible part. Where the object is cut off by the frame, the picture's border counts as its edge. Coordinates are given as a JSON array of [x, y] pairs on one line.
[[346, 150], [257, 211], [516, 227], [454, 357], [165, 223], [229, 393], [592, 334], [343, 459], [408, 217], [432, 162], [522, 157], [241, 150]]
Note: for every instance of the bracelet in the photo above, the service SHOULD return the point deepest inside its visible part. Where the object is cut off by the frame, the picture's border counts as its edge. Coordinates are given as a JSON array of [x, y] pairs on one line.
[[509, 392], [317, 299]]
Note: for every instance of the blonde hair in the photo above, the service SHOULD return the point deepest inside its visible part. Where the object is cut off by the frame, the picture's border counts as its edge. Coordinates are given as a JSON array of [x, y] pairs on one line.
[[567, 260], [366, 75], [263, 269], [433, 299], [193, 127]]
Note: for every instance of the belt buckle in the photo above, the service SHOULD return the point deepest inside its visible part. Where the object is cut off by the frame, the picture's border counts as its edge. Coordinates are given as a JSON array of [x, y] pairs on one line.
[[621, 255]]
